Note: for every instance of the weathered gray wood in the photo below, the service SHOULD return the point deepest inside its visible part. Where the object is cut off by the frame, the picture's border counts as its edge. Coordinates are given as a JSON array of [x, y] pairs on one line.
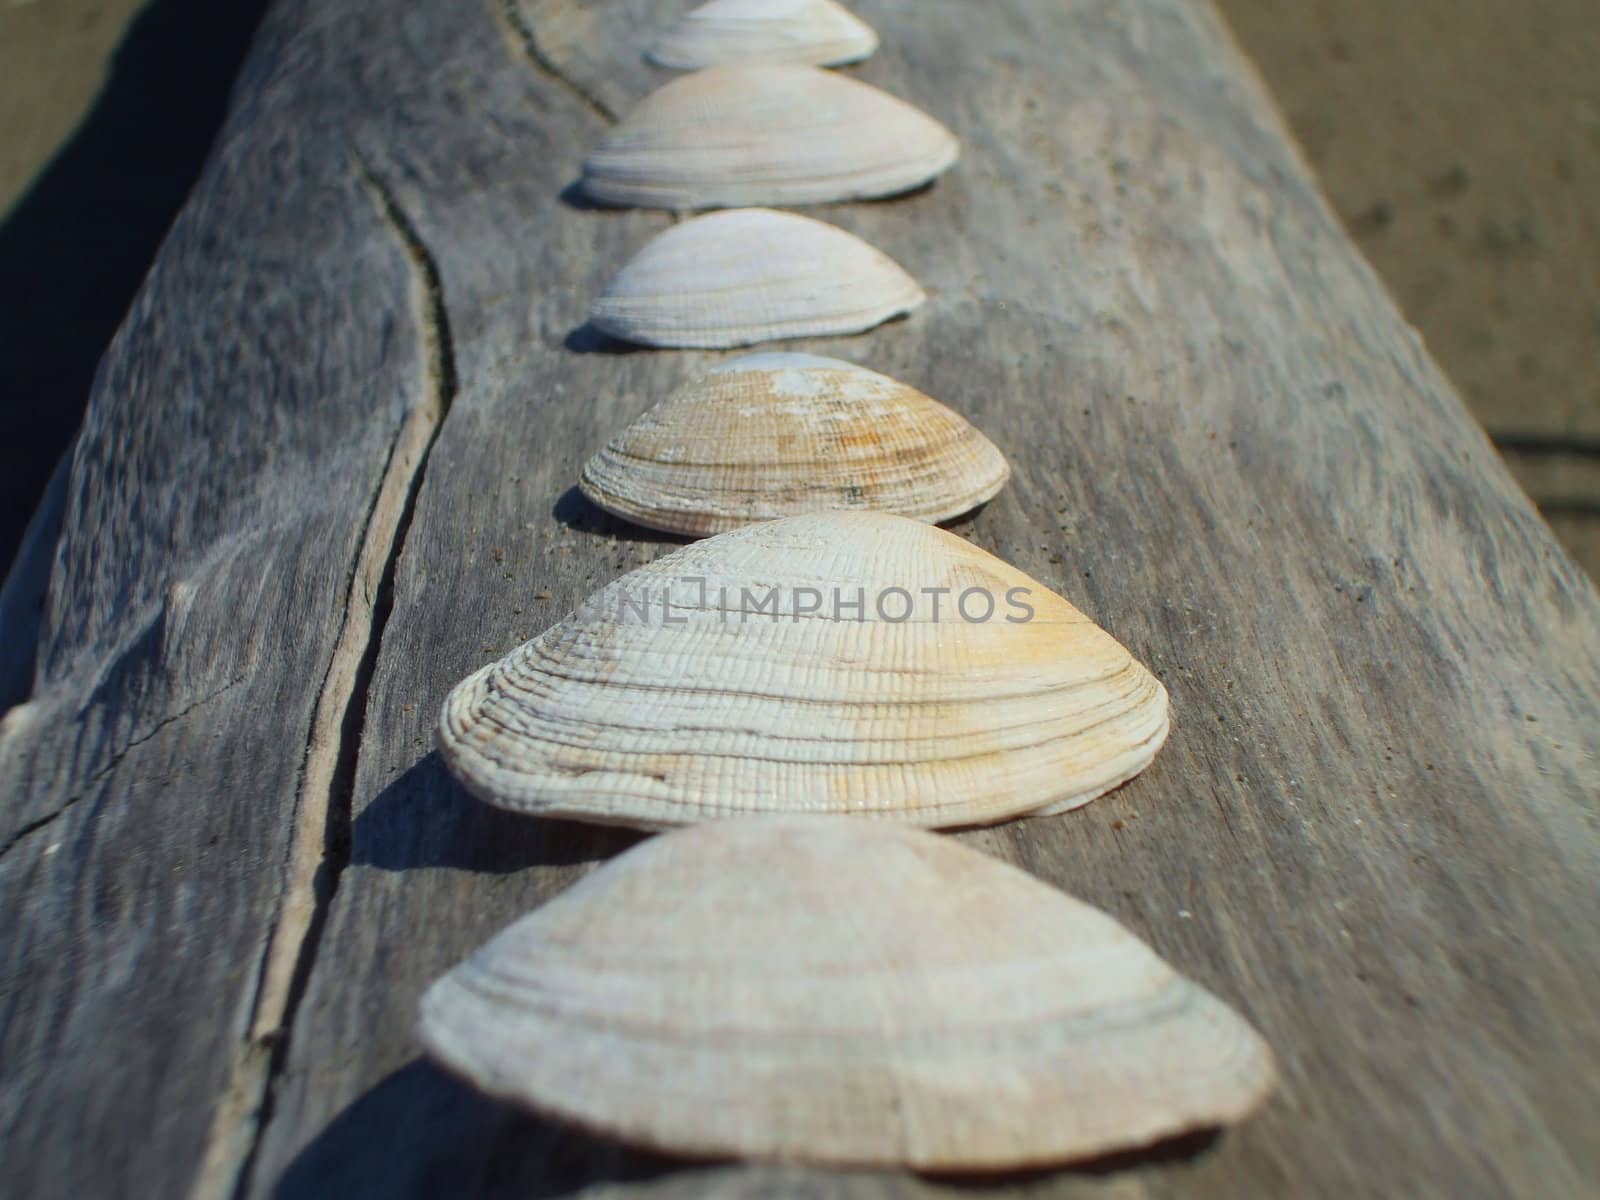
[[1373, 829], [222, 487]]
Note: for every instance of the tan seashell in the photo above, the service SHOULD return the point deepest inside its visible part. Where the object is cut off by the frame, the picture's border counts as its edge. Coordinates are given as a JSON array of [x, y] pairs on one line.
[[812, 32], [814, 990], [767, 134], [776, 435], [752, 275], [733, 677]]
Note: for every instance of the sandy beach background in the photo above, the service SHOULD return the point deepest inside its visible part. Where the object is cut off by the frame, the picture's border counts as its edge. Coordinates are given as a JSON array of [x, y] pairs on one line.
[[1458, 139]]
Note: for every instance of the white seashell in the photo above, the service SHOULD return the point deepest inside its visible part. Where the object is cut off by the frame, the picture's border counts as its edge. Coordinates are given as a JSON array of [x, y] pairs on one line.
[[752, 275], [814, 32], [736, 676], [780, 135], [776, 435], [814, 990]]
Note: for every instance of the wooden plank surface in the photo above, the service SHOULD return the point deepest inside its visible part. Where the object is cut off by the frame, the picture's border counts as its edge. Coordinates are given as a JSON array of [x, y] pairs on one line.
[[222, 489], [327, 471]]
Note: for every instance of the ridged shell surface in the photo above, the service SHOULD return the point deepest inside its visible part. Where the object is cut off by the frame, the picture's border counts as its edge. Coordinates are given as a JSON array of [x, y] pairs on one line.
[[737, 676], [814, 32], [751, 275], [767, 134], [777, 435], [813, 990]]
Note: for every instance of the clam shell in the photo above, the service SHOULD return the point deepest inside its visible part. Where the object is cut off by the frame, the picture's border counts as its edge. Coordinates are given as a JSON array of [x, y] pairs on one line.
[[807, 989], [768, 134], [813, 32], [776, 435], [752, 275], [735, 676]]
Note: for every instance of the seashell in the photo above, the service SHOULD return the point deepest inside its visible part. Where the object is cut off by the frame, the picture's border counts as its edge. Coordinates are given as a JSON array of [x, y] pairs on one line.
[[775, 435], [813, 32], [813, 990], [752, 275], [780, 135], [810, 665]]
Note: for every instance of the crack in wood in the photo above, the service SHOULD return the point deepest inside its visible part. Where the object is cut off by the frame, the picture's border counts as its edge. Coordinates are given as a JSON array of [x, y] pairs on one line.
[[320, 849], [33, 827], [528, 37], [133, 744]]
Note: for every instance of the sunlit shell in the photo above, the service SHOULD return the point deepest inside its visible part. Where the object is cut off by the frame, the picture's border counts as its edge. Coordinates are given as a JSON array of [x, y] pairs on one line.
[[815, 990], [766, 134], [816, 32], [752, 275], [737, 676], [776, 435]]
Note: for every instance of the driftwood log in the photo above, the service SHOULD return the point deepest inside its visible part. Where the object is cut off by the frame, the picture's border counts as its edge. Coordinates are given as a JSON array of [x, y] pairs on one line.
[[327, 470]]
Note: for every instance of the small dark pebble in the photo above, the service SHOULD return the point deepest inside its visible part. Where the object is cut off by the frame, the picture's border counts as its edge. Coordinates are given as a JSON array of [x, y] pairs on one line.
[[1452, 183], [1373, 220]]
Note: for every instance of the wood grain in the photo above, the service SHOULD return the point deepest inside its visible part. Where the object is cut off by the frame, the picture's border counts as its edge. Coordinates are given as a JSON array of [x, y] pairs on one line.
[[1373, 830]]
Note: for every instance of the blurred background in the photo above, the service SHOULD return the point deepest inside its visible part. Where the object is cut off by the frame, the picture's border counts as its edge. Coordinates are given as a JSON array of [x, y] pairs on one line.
[[1458, 139]]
